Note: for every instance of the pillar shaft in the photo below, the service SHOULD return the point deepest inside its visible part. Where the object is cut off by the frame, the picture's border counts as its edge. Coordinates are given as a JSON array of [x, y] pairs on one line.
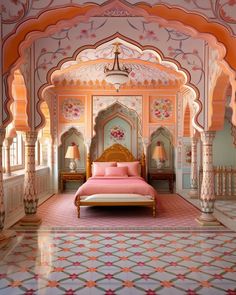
[[30, 196], [194, 173], [207, 198]]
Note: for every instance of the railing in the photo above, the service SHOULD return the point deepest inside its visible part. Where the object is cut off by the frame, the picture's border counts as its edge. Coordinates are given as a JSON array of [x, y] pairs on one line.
[[14, 193], [224, 181]]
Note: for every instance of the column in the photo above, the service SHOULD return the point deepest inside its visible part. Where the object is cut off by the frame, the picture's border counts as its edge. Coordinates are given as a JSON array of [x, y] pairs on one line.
[[88, 159], [5, 235], [144, 160], [207, 198], [194, 173], [30, 195]]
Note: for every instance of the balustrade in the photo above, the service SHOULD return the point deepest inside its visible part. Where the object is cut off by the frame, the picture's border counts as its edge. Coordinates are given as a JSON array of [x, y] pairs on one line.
[[224, 182]]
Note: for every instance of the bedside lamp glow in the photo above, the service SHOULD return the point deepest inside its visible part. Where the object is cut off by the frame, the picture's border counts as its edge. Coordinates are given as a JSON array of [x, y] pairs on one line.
[[159, 155], [72, 153]]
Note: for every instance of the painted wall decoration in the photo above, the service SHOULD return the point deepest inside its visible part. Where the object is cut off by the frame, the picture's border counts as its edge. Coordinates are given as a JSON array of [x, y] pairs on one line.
[[162, 109], [71, 109], [117, 133], [118, 130], [187, 154]]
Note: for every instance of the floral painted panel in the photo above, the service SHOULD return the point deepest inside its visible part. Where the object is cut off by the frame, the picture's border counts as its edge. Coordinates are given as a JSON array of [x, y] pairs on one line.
[[187, 154], [119, 131], [71, 109], [161, 109]]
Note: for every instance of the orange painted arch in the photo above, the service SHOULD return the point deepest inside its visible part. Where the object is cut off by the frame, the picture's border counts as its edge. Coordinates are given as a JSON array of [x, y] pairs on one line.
[[52, 17]]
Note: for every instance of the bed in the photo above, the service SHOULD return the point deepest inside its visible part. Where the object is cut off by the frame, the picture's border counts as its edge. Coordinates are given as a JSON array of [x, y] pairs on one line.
[[116, 183]]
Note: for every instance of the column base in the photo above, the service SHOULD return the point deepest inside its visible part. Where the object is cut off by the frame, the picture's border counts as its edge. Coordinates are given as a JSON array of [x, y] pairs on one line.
[[30, 220], [207, 220], [193, 194], [5, 237]]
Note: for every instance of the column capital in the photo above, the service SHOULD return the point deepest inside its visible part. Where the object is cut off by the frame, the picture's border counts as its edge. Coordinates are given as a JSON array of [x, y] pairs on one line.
[[30, 137], [207, 137], [2, 135]]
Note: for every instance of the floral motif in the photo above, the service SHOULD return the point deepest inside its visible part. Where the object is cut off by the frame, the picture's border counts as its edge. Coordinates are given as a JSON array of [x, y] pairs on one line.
[[72, 109], [117, 133], [162, 108]]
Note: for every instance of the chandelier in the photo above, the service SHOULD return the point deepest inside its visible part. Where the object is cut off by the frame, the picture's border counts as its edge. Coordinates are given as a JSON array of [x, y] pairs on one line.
[[117, 75]]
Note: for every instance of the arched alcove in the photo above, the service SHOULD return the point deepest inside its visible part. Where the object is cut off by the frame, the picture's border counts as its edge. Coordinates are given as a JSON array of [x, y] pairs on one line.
[[117, 124], [68, 138], [19, 104], [163, 136]]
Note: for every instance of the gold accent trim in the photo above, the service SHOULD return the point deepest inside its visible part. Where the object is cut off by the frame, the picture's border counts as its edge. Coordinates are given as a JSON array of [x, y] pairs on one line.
[[116, 153]]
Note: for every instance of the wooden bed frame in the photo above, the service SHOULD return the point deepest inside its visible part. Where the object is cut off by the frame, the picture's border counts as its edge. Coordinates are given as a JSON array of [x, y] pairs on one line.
[[118, 153]]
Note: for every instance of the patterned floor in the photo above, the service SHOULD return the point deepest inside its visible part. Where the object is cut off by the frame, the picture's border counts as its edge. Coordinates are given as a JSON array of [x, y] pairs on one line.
[[172, 210], [227, 207], [133, 263]]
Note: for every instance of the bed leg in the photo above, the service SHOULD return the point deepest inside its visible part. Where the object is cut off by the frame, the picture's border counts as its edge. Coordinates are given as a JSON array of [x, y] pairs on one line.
[[78, 209], [154, 210]]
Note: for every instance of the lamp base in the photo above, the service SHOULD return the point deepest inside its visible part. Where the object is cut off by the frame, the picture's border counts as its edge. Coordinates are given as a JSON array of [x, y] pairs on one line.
[[72, 166], [160, 164]]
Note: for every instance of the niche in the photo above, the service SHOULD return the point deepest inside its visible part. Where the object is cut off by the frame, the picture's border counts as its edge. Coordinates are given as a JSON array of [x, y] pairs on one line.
[[67, 138], [117, 124], [164, 137]]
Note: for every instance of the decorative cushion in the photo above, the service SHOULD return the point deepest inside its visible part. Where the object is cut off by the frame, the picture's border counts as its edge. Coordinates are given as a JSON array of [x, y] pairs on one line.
[[116, 171], [98, 168], [133, 167]]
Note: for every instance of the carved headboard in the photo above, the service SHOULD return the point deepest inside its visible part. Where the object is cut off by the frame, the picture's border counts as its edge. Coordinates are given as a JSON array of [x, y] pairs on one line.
[[117, 153]]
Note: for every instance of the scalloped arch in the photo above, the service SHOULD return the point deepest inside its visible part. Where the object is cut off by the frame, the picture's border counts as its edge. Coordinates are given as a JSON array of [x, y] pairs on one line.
[[51, 21]]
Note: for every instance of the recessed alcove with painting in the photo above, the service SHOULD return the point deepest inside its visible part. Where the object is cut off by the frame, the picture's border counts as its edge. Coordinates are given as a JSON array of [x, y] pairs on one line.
[[117, 124], [161, 160], [70, 162]]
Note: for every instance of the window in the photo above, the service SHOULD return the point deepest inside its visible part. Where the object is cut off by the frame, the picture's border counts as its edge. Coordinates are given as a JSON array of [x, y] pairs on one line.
[[16, 152]]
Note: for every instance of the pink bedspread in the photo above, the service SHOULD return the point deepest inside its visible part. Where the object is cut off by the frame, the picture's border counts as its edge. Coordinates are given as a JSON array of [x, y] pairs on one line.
[[121, 185]]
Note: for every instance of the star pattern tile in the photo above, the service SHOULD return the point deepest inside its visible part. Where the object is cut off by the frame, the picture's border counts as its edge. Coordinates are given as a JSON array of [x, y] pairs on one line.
[[117, 262]]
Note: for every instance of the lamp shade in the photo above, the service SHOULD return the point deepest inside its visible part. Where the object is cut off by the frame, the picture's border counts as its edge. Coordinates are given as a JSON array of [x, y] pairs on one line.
[[159, 153], [72, 152]]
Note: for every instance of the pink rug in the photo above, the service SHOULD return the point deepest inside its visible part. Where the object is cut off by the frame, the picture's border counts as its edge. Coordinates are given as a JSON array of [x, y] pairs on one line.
[[173, 211]]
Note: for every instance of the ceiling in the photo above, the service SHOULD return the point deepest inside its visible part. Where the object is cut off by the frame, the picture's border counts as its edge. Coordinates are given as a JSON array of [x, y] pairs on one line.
[[146, 66]]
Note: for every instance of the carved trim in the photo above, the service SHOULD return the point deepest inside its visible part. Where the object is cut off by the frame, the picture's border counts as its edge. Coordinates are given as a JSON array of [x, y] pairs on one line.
[[116, 153]]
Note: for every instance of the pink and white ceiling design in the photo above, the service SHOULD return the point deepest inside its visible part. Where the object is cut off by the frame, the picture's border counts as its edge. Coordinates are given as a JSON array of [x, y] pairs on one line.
[[15, 12], [179, 47]]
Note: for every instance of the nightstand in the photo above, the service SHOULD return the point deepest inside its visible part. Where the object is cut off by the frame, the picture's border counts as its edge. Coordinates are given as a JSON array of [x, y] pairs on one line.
[[70, 176], [167, 175]]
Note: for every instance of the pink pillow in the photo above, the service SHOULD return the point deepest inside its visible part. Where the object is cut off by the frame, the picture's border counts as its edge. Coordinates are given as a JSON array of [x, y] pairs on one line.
[[116, 171], [133, 167], [98, 168]]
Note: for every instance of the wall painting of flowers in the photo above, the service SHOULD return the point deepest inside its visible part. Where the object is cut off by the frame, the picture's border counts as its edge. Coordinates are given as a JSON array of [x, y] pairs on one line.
[[161, 109], [72, 109]]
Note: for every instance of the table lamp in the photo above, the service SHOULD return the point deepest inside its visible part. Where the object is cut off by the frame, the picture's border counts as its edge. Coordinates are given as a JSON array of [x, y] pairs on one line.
[[72, 153], [159, 155]]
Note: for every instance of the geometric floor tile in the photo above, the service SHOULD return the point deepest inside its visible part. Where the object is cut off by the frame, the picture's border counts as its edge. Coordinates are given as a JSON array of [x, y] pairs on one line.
[[119, 262]]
